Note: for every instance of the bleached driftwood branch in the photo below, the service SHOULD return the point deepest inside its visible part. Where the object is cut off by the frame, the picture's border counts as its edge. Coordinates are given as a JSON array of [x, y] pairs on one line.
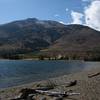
[[53, 93], [93, 75]]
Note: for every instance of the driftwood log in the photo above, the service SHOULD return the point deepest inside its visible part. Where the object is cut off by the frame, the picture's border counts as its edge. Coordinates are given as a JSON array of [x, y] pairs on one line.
[[56, 94], [25, 92], [93, 75], [29, 93]]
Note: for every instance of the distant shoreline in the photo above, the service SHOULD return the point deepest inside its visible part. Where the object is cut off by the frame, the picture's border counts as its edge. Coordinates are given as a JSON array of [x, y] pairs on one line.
[[30, 59]]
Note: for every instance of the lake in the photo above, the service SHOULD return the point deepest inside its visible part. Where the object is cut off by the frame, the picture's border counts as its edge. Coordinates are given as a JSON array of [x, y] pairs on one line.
[[17, 72]]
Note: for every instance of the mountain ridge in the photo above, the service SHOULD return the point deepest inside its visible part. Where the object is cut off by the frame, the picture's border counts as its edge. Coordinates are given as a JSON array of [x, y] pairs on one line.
[[32, 35]]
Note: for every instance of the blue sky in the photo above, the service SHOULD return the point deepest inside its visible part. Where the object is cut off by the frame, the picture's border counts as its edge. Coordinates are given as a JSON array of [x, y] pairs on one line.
[[65, 11], [43, 9]]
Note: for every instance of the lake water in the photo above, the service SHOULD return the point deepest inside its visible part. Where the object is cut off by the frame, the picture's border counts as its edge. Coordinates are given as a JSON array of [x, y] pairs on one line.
[[13, 73]]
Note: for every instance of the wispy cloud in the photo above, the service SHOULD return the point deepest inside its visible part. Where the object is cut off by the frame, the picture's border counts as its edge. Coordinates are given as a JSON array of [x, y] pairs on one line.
[[88, 0], [76, 17], [67, 9], [56, 15], [62, 22]]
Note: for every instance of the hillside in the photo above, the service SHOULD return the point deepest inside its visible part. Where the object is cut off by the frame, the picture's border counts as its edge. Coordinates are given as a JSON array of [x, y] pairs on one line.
[[28, 35], [77, 40], [49, 37]]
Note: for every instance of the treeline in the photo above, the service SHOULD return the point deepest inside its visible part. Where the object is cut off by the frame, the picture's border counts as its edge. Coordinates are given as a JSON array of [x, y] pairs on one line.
[[88, 56], [10, 56], [93, 58]]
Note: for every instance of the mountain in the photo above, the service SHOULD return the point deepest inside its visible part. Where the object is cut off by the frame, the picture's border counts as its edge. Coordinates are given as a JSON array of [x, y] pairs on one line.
[[28, 35], [77, 39], [47, 37]]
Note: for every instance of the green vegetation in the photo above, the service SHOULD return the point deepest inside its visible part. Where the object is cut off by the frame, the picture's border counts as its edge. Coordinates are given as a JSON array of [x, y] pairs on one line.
[[86, 56]]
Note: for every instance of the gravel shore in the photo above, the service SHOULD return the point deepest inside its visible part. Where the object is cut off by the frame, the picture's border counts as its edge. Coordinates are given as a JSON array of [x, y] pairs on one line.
[[89, 88]]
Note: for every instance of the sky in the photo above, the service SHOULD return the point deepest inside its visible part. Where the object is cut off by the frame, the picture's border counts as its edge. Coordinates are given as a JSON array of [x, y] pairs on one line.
[[85, 12]]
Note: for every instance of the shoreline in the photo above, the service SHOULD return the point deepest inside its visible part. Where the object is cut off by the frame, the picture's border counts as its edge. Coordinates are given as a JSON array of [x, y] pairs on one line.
[[87, 87], [33, 59]]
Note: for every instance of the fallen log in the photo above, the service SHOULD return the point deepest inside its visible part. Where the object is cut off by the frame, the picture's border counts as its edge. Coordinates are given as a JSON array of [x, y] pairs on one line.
[[93, 75], [25, 92], [56, 94], [44, 90], [29, 93]]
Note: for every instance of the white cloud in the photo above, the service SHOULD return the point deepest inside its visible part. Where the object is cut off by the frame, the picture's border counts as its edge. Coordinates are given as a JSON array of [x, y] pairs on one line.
[[92, 14], [85, 0], [67, 9], [89, 0], [56, 15], [76, 17]]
